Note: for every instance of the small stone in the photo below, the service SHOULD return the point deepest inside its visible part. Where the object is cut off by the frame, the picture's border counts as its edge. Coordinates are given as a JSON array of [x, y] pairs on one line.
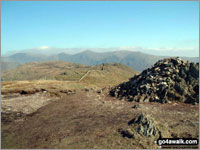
[[87, 90], [127, 133], [99, 91], [135, 106]]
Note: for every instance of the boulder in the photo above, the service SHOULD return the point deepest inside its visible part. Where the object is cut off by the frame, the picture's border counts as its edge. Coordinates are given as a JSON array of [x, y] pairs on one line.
[[144, 125]]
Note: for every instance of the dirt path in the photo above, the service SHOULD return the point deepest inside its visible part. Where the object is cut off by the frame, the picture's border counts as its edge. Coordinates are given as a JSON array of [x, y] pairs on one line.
[[84, 75]]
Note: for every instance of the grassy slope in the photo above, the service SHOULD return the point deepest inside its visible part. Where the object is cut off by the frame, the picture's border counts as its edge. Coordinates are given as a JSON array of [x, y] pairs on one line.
[[58, 76], [46, 70], [112, 74], [64, 71]]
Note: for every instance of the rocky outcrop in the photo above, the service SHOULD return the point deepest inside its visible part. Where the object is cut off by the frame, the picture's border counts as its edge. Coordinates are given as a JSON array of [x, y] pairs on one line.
[[170, 79], [142, 125]]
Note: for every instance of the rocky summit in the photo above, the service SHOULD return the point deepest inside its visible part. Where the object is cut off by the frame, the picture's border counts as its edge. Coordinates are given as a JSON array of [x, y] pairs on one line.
[[170, 79]]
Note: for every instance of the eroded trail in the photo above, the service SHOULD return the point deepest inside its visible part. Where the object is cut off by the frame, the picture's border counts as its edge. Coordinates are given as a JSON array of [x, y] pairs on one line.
[[89, 120], [25, 104]]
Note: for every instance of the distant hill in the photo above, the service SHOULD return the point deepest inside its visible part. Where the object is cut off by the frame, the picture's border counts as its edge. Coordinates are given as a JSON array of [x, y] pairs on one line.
[[136, 60], [7, 65], [64, 71]]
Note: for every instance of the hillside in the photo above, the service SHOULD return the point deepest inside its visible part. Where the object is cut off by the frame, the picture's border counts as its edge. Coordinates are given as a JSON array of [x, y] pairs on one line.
[[65, 71], [134, 59], [7, 65], [78, 112]]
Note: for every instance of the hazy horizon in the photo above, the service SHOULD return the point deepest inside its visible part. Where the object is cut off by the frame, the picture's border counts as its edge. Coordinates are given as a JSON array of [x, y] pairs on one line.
[[71, 51], [159, 28]]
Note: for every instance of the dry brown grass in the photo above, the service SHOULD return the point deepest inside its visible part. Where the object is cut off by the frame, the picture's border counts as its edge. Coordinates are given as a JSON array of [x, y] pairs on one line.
[[88, 119], [64, 71], [91, 120]]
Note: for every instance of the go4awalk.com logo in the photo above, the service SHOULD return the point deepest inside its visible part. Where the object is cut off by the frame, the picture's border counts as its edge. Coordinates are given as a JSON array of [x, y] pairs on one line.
[[171, 142]]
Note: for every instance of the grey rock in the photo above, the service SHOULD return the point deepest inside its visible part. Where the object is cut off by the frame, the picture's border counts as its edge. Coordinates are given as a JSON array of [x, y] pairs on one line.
[[170, 79], [144, 125], [179, 88]]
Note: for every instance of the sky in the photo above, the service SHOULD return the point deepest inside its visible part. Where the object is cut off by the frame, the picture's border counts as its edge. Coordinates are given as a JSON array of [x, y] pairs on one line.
[[168, 26]]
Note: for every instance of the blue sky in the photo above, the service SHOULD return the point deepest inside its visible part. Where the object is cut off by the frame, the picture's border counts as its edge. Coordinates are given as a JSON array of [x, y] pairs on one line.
[[164, 25]]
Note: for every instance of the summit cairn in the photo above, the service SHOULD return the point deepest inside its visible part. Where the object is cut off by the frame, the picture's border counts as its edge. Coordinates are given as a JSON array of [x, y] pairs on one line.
[[170, 79]]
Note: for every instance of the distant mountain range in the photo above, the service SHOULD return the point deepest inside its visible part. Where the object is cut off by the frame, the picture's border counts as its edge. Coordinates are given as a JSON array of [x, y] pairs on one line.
[[134, 59]]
